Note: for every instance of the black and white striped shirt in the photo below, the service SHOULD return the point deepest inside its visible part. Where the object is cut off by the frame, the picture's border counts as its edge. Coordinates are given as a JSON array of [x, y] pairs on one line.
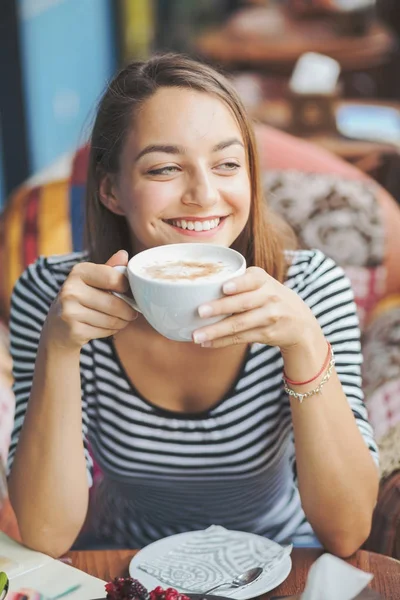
[[165, 472]]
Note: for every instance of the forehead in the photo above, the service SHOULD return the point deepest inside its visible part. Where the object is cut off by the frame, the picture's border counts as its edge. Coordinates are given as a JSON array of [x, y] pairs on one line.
[[185, 117]]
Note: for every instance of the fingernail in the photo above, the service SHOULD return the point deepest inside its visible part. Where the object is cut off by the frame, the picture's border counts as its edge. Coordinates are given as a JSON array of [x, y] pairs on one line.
[[229, 288], [205, 310], [199, 338], [206, 344], [65, 560]]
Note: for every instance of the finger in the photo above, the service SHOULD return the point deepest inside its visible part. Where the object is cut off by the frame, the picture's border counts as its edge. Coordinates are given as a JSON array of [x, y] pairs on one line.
[[94, 333], [102, 277], [232, 326], [250, 336], [119, 258], [234, 304], [251, 280], [108, 304], [96, 319]]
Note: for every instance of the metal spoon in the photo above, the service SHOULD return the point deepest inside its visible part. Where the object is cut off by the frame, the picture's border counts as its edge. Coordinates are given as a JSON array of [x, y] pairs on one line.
[[243, 579]]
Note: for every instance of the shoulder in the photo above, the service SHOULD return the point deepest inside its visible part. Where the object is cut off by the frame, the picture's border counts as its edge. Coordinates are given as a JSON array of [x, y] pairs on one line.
[[324, 287], [49, 273], [312, 267], [40, 283]]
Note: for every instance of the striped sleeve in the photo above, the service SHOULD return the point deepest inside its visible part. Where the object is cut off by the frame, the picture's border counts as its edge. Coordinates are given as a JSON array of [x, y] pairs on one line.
[[327, 291], [32, 297]]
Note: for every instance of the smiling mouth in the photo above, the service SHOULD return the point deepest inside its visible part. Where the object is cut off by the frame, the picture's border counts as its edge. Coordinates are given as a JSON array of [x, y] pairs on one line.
[[203, 225]]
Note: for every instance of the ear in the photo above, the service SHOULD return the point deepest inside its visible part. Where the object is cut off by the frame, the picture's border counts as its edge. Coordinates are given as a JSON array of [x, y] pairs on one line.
[[108, 196]]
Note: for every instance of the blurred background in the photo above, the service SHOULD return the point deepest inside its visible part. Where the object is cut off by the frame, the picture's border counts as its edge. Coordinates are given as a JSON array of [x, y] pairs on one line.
[[57, 55]]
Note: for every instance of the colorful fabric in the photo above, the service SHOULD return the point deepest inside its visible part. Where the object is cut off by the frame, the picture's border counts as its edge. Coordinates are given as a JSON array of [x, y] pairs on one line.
[[381, 369], [389, 447], [368, 284], [384, 408], [7, 400], [381, 347], [41, 220]]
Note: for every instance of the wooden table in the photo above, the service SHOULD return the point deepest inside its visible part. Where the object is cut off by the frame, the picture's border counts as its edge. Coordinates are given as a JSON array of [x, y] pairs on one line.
[[277, 113], [107, 564], [271, 39]]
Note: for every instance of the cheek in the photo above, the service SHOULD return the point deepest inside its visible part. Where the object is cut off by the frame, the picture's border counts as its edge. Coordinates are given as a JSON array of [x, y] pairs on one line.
[[150, 199], [240, 195]]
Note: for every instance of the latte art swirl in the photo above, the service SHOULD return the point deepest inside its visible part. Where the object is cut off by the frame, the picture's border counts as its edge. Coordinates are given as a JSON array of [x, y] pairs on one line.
[[186, 270]]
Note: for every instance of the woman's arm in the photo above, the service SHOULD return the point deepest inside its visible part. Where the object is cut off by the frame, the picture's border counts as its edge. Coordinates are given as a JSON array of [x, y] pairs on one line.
[[337, 477], [338, 480], [48, 483]]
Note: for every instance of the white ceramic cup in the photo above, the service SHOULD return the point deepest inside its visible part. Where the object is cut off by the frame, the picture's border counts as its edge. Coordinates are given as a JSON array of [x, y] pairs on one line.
[[171, 306]]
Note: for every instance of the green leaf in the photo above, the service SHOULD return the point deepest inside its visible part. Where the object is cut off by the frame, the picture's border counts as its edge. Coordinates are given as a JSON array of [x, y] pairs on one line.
[[3, 581]]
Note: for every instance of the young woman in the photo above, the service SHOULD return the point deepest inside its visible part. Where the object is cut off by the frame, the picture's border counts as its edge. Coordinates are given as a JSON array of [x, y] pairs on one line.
[[186, 434]]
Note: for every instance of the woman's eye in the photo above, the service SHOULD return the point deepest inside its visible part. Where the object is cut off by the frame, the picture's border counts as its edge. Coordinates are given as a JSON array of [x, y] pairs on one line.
[[163, 171], [229, 166]]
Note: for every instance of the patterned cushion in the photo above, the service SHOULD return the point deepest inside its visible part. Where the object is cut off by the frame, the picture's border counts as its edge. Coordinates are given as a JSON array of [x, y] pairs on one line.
[[342, 218], [368, 284], [384, 407], [281, 151], [339, 216], [381, 368], [381, 342]]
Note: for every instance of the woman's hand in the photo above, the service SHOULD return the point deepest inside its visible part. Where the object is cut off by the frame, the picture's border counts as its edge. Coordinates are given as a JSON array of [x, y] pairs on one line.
[[262, 310], [85, 309]]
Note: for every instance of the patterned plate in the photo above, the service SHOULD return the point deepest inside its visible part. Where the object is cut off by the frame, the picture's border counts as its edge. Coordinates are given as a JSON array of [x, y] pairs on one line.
[[198, 560]]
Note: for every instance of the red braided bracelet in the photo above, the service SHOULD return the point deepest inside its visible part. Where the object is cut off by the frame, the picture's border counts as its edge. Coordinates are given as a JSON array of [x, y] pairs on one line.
[[324, 366]]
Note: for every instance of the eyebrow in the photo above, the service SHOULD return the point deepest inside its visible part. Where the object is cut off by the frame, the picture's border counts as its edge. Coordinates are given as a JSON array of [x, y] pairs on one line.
[[172, 149]]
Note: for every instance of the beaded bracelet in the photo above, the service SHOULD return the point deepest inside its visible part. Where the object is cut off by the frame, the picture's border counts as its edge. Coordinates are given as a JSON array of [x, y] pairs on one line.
[[300, 397]]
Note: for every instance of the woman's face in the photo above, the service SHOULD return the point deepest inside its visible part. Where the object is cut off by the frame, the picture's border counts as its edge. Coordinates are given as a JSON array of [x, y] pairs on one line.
[[183, 173]]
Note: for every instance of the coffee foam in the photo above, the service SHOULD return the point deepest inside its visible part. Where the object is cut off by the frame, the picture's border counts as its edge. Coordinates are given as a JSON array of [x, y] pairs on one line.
[[187, 270]]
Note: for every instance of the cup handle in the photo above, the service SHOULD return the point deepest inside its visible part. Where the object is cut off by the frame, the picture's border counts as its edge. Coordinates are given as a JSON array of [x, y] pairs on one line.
[[130, 301]]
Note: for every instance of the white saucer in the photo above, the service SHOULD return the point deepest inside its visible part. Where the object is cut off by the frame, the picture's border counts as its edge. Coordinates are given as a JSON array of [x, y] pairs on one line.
[[157, 550]]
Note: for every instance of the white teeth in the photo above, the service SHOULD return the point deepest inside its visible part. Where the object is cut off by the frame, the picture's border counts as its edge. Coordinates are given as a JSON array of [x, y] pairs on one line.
[[197, 225]]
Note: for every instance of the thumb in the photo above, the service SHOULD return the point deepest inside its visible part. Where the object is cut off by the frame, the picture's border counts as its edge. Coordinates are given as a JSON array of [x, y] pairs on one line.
[[119, 258]]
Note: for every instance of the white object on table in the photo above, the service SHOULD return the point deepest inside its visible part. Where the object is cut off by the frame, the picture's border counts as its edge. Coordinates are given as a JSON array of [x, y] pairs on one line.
[[331, 578], [197, 560], [315, 74]]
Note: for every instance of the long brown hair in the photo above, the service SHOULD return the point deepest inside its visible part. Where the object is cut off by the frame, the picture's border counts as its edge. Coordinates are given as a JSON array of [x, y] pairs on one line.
[[264, 237]]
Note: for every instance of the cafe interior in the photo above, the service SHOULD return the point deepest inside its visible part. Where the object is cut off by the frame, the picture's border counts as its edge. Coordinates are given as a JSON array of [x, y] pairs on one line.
[[320, 79]]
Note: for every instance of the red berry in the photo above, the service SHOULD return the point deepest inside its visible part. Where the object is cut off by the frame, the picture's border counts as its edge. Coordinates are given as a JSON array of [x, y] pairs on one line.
[[126, 588], [158, 590], [169, 594]]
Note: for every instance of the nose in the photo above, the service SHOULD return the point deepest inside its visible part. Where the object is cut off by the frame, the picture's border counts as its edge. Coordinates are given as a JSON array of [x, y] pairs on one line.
[[201, 189]]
